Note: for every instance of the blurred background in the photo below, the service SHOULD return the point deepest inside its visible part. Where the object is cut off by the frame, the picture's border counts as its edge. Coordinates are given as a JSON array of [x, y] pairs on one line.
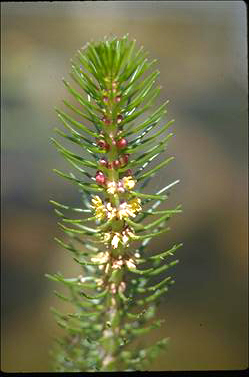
[[201, 51]]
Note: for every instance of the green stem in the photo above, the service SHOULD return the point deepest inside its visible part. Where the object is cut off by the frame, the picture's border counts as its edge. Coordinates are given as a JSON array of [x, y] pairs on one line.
[[113, 319]]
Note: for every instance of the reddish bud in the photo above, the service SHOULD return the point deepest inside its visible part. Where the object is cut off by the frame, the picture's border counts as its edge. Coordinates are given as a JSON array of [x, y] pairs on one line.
[[100, 178], [109, 165], [116, 164], [128, 172], [105, 99], [102, 162], [119, 118], [103, 144], [122, 143], [106, 120], [117, 99], [124, 159]]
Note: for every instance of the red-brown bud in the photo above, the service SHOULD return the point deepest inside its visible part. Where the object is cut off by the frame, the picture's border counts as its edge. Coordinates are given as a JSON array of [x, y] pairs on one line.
[[124, 159], [103, 144], [109, 165], [128, 173], [116, 164], [106, 120], [122, 143], [100, 178], [117, 99], [119, 118], [102, 162]]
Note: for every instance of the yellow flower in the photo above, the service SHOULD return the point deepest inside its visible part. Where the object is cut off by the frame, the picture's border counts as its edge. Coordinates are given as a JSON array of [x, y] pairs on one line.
[[129, 233], [101, 257], [96, 201], [129, 209], [100, 210], [130, 263], [129, 182], [117, 264], [111, 212], [125, 239], [124, 211], [111, 187], [116, 240], [135, 205], [106, 237]]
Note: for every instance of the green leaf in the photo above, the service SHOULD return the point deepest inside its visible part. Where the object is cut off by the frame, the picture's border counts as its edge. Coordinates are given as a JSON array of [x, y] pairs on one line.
[[149, 196], [154, 170], [75, 221], [166, 253], [153, 152], [159, 270], [85, 186], [77, 141], [90, 107], [102, 294], [64, 118], [140, 144], [155, 117], [140, 272], [150, 235], [85, 230], [67, 207]]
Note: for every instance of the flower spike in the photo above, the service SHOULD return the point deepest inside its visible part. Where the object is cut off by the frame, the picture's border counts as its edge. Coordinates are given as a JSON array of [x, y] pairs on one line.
[[114, 89]]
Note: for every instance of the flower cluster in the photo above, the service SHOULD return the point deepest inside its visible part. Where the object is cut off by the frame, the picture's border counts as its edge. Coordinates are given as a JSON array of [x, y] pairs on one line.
[[104, 258], [125, 209], [118, 204], [117, 239], [100, 209], [127, 183]]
